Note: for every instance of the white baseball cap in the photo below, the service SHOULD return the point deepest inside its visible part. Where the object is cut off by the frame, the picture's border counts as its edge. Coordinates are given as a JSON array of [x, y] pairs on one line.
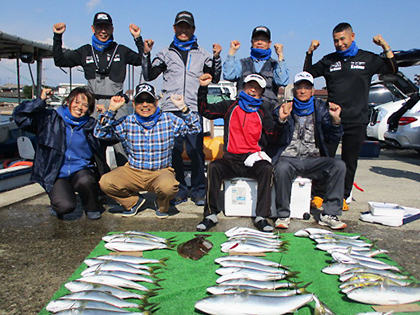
[[257, 78], [303, 76]]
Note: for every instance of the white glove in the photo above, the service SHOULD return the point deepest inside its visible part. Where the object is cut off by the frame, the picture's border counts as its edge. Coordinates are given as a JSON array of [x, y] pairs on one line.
[[255, 157], [178, 101]]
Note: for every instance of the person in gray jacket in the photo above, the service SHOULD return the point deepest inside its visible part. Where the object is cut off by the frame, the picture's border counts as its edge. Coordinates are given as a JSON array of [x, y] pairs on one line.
[[181, 64]]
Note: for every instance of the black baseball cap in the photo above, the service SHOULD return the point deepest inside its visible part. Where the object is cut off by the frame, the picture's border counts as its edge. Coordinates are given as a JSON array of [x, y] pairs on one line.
[[145, 88], [185, 16], [261, 29], [102, 18]]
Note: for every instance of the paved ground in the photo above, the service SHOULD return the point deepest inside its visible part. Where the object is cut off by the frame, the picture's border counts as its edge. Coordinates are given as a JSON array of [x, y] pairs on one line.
[[39, 252]]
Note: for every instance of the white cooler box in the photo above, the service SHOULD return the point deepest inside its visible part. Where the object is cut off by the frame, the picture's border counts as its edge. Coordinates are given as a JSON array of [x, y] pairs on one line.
[[241, 197]]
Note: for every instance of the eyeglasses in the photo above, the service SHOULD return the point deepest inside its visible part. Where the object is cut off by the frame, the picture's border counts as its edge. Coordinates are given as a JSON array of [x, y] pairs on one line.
[[308, 88]]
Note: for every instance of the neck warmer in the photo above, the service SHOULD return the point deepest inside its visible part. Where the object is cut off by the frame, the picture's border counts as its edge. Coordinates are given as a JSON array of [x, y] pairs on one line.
[[260, 54], [303, 108], [101, 46], [148, 122], [185, 46], [350, 52], [64, 112], [248, 103]]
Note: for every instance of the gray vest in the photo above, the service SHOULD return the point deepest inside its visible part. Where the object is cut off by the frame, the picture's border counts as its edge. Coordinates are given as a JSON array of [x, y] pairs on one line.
[[303, 139], [267, 71]]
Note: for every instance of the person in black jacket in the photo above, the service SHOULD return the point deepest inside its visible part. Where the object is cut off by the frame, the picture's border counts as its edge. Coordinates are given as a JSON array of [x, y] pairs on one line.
[[348, 72], [104, 63], [307, 125], [68, 157]]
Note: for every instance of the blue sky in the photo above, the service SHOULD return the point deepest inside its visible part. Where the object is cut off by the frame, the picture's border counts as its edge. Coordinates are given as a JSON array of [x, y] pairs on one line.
[[292, 23]]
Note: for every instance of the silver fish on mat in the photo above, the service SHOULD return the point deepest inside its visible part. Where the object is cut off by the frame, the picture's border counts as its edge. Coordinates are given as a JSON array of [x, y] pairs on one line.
[[61, 305], [270, 285], [134, 247], [384, 273], [220, 289], [195, 248], [309, 231], [87, 311], [99, 296], [385, 295], [124, 275], [252, 259], [252, 265], [117, 266], [251, 275], [235, 231], [93, 261], [114, 281], [239, 304], [133, 259], [78, 286]]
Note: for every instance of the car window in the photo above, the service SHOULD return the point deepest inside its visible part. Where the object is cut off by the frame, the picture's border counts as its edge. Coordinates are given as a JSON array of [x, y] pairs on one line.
[[380, 94]]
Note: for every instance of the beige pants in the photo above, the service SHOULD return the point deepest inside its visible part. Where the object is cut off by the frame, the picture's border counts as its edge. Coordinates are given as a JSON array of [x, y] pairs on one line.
[[124, 183]]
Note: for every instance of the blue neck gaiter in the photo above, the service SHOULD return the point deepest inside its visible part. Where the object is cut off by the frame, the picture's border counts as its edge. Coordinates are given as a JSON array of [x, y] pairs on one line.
[[248, 103], [185, 46], [101, 46], [64, 112], [149, 122], [260, 54], [303, 108], [350, 52]]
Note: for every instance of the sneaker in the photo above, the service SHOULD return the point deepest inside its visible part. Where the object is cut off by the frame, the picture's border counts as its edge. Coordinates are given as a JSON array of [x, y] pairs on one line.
[[345, 205], [178, 200], [93, 215], [263, 225], [136, 208], [316, 202], [161, 215], [332, 221], [205, 225], [282, 223]]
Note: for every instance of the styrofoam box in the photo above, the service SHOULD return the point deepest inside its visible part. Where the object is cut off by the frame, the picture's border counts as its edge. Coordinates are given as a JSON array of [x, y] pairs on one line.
[[241, 197]]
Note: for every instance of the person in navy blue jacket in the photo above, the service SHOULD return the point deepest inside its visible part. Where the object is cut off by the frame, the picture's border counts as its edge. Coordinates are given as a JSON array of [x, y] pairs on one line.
[[68, 157], [307, 125]]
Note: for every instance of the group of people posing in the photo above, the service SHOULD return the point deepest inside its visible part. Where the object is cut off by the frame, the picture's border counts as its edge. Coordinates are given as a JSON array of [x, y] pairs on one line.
[[264, 139]]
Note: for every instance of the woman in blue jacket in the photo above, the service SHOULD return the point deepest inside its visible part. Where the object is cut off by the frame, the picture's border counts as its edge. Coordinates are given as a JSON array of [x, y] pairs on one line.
[[68, 157]]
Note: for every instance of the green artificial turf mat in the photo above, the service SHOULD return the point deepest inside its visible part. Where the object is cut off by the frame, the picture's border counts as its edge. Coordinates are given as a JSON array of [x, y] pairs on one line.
[[186, 280]]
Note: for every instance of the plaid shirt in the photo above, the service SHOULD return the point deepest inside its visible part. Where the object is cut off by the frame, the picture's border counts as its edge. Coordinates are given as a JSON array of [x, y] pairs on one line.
[[147, 149]]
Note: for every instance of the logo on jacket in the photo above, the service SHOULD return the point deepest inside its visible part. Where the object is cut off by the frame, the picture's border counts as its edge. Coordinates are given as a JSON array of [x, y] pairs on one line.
[[336, 66], [357, 65], [89, 59]]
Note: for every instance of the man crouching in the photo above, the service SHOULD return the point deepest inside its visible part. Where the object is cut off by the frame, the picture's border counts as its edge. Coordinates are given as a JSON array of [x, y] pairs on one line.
[[148, 139]]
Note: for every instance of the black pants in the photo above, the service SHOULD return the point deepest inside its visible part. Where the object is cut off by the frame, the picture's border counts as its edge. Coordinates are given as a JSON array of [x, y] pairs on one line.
[[287, 169], [194, 148], [63, 197], [351, 144], [233, 166]]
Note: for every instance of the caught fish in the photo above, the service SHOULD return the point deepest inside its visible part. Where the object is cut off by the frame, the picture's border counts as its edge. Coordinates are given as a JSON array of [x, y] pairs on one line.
[[344, 259], [384, 273], [239, 247], [385, 295], [338, 269], [113, 281], [149, 236], [78, 286], [321, 308], [270, 285], [99, 296], [134, 247], [215, 290], [117, 266], [253, 266], [334, 236], [195, 248], [61, 305], [351, 251], [251, 275], [87, 311], [309, 231], [133, 259], [330, 246], [239, 304], [252, 242], [360, 277], [251, 259], [124, 275], [248, 231], [93, 261]]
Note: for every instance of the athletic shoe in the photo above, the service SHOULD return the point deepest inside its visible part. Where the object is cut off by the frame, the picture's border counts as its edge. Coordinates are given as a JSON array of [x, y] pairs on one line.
[[161, 215], [345, 205], [282, 223], [93, 215], [332, 221], [205, 225], [263, 225], [136, 208], [199, 202], [316, 202], [178, 200]]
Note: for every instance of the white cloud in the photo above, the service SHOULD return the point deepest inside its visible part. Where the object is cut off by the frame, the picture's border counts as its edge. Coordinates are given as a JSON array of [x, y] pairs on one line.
[[91, 4]]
